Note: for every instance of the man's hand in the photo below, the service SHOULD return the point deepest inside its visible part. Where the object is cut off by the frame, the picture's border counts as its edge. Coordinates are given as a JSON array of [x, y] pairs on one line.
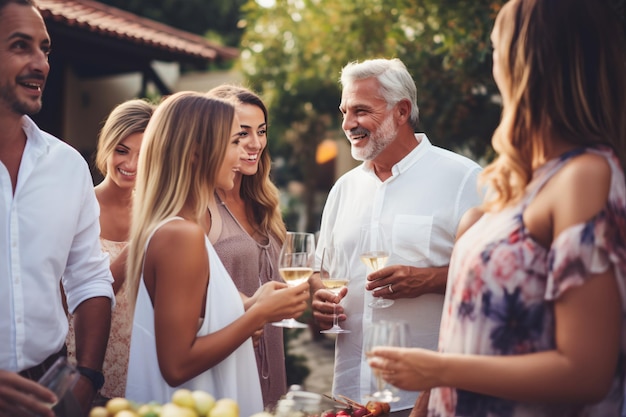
[[400, 281], [84, 393], [21, 397], [323, 303]]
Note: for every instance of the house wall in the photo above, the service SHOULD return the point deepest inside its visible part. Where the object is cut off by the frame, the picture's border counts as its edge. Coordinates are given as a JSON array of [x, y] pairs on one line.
[[88, 102]]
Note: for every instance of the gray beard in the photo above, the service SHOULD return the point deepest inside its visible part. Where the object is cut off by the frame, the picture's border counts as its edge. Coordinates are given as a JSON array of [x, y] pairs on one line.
[[378, 141]]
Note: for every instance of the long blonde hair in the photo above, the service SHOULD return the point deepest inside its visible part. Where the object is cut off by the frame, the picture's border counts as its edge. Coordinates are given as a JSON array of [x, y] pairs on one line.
[[562, 64], [128, 118], [258, 191], [182, 151]]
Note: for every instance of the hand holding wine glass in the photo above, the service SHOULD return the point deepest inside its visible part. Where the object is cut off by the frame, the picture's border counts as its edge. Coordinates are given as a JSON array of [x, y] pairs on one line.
[[334, 273], [374, 253], [60, 378], [295, 265], [384, 333]]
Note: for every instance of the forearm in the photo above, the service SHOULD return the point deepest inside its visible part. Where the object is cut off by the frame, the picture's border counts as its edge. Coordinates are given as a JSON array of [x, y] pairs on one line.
[[180, 363], [437, 284], [92, 321], [539, 377]]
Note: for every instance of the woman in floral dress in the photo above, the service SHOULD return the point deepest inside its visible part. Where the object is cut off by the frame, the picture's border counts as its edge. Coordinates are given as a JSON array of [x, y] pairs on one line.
[[116, 158], [533, 322]]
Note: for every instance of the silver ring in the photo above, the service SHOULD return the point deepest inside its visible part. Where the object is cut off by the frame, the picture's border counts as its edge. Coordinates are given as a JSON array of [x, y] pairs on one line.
[[390, 289]]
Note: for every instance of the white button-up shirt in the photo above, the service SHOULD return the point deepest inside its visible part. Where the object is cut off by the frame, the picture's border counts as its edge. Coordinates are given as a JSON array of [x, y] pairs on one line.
[[48, 231], [419, 207]]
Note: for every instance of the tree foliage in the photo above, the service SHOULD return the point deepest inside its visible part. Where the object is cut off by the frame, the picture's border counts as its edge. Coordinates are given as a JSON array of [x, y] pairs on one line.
[[293, 53], [216, 18]]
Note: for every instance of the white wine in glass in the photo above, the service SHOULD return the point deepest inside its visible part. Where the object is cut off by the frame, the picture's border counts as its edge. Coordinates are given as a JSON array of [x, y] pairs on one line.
[[384, 333], [374, 254], [295, 265], [334, 273]]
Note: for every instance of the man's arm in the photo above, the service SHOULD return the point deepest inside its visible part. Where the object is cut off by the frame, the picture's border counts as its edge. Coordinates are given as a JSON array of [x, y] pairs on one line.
[[92, 323]]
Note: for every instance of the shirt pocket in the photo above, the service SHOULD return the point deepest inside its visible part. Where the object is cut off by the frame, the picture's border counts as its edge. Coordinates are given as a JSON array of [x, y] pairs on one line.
[[411, 237]]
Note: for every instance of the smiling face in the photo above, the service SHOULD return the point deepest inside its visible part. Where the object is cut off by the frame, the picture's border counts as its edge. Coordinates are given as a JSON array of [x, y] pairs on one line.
[[231, 164], [122, 163], [24, 49], [367, 122], [254, 136]]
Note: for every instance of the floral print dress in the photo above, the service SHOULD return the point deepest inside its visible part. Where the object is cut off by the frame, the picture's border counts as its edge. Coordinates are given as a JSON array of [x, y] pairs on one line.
[[502, 285]]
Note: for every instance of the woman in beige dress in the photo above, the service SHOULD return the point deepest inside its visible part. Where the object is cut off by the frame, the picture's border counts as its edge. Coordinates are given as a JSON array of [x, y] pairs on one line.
[[116, 158]]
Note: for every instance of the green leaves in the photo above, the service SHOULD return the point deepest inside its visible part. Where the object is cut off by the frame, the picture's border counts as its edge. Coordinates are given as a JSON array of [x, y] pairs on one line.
[[294, 51]]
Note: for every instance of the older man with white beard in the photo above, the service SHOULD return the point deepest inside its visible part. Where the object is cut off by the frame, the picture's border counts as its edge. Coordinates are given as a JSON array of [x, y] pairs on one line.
[[417, 193]]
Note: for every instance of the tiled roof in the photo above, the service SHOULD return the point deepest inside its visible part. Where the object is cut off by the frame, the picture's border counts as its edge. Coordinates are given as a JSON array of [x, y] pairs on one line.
[[111, 22]]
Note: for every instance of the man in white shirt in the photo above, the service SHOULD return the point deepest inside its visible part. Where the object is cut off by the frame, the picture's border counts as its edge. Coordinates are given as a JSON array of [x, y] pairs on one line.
[[48, 232], [417, 193]]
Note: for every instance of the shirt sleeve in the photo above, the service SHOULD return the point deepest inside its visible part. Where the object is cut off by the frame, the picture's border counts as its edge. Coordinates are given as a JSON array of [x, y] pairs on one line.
[[87, 273]]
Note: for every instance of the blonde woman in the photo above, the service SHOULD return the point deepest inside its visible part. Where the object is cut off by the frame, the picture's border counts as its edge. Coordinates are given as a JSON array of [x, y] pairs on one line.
[[247, 225], [191, 326], [533, 321], [116, 158]]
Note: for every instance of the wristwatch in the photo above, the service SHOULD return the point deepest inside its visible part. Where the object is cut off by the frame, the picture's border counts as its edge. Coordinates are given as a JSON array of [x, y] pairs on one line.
[[96, 377]]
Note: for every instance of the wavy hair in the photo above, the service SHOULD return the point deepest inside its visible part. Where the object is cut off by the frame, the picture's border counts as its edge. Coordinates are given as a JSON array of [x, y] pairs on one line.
[[257, 191], [181, 153], [126, 119], [562, 64], [395, 82]]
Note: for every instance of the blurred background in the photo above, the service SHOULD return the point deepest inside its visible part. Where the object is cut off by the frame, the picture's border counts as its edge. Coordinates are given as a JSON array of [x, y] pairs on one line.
[[289, 51]]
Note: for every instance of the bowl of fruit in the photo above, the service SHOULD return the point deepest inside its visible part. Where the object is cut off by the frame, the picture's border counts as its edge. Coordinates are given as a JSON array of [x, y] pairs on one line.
[[184, 403]]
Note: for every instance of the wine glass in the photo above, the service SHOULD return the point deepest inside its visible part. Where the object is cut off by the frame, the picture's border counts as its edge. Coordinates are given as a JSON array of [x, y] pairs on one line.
[[374, 253], [334, 275], [295, 265], [384, 333], [60, 378]]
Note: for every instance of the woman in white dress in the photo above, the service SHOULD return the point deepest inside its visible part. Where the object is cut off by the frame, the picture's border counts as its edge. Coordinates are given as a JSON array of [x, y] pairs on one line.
[[191, 327]]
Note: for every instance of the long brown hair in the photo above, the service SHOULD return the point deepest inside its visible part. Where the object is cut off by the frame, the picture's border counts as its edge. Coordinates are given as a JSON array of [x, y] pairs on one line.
[[258, 191], [564, 69]]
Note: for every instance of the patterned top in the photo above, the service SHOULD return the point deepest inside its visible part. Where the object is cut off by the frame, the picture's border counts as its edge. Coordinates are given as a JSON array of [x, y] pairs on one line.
[[251, 264], [115, 363], [502, 283]]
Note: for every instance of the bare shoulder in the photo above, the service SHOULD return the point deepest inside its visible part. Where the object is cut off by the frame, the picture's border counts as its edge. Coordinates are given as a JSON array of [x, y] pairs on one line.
[[470, 217], [580, 190], [176, 238]]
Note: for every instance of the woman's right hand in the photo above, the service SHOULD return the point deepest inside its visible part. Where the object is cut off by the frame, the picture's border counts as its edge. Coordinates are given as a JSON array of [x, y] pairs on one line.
[[22, 397], [279, 302]]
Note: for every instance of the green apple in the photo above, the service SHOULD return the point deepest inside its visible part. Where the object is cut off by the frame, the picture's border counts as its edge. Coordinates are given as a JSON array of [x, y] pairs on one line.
[[183, 398], [173, 410], [225, 407], [203, 401]]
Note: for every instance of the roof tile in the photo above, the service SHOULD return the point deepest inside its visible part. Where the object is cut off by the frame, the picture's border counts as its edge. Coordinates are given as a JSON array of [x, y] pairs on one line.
[[110, 21]]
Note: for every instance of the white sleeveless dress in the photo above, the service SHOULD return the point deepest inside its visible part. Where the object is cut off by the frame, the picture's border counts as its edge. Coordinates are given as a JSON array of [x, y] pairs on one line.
[[235, 377]]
